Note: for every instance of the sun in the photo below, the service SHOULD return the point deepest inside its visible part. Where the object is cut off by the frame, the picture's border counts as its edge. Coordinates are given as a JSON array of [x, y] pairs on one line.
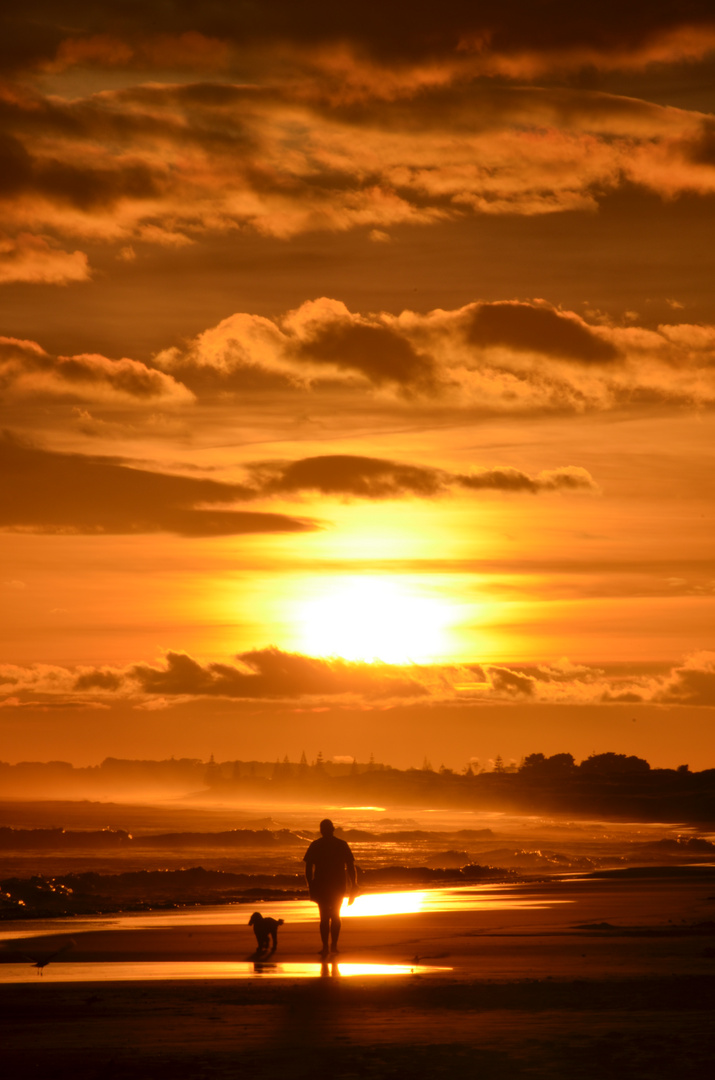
[[373, 618]]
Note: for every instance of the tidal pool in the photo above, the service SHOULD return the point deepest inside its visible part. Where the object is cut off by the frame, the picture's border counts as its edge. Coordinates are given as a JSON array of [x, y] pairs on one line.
[[122, 971]]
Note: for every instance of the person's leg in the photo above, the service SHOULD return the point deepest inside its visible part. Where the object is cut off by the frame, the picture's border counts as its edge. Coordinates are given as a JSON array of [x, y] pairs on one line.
[[335, 922], [325, 912]]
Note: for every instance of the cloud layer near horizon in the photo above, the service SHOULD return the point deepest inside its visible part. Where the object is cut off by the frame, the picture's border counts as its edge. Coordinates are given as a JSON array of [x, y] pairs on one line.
[[271, 674]]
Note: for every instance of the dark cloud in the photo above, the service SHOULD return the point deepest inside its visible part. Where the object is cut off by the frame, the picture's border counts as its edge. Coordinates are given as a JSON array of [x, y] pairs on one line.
[[319, 342], [47, 491], [700, 150], [503, 357], [161, 160], [378, 352], [537, 329], [510, 682], [691, 684], [627, 697], [378, 478], [407, 32], [483, 105], [346, 474], [50, 492], [98, 680], [82, 187], [270, 673], [507, 479], [209, 116], [127, 376]]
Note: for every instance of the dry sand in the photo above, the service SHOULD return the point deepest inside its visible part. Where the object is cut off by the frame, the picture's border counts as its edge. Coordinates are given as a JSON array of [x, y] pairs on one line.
[[532, 992]]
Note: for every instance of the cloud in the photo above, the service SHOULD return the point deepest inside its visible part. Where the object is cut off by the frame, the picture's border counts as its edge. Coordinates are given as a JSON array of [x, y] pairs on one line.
[[189, 50], [514, 39], [320, 123], [272, 674], [26, 370], [526, 328], [33, 259], [511, 683], [49, 492], [518, 357], [86, 185], [52, 492], [378, 478], [43, 705], [346, 474], [693, 683], [319, 341], [325, 332], [98, 680], [570, 478]]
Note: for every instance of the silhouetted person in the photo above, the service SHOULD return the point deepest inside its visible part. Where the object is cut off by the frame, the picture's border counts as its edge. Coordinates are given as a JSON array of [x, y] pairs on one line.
[[330, 873]]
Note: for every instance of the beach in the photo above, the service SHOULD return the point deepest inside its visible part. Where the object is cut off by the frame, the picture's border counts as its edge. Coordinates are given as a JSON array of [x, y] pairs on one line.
[[609, 973]]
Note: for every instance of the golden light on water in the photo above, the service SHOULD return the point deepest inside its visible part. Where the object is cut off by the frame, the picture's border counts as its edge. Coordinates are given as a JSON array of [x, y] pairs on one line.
[[373, 618], [168, 970], [398, 903], [439, 900]]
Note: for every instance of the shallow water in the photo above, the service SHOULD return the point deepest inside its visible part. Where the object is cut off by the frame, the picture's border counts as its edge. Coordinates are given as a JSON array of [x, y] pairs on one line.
[[172, 970], [374, 905]]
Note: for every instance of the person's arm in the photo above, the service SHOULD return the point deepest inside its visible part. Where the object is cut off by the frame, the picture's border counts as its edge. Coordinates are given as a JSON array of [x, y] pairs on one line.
[[309, 870], [350, 868]]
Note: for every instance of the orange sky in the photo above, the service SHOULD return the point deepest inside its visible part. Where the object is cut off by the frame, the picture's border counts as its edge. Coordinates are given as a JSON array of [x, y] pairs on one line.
[[358, 372]]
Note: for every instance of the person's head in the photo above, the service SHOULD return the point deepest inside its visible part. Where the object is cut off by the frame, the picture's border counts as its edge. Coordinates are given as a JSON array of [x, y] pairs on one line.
[[326, 827]]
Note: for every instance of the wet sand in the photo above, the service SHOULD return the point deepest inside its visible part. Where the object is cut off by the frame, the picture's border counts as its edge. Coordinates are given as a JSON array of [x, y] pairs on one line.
[[616, 979]]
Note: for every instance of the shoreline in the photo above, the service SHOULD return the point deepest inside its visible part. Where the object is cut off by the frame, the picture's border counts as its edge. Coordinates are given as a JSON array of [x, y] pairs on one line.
[[599, 975], [50, 898]]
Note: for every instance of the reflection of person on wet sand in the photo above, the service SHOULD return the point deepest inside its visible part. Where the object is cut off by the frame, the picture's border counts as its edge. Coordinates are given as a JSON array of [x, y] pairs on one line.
[[330, 873]]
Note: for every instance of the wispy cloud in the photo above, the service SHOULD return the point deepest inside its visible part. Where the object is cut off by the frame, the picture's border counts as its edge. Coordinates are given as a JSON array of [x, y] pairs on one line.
[[33, 259], [51, 492]]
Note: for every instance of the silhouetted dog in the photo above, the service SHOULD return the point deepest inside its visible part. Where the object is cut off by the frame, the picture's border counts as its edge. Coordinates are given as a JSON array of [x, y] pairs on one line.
[[265, 929]]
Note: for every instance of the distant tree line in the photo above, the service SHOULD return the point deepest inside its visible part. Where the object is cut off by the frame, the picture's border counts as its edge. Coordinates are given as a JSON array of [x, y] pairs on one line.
[[605, 785]]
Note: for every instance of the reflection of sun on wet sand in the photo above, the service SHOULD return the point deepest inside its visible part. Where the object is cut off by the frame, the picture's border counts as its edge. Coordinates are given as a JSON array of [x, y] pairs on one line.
[[484, 930], [617, 980]]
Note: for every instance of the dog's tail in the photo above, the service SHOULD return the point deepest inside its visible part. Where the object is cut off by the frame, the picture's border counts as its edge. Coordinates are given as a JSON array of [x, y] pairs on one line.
[[280, 922]]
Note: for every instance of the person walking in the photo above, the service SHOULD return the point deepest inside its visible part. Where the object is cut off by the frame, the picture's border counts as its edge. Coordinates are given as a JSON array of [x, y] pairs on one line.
[[330, 873]]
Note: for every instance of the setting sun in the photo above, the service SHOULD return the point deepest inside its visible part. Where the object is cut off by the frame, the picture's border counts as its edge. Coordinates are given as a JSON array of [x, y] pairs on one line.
[[371, 618], [357, 442]]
